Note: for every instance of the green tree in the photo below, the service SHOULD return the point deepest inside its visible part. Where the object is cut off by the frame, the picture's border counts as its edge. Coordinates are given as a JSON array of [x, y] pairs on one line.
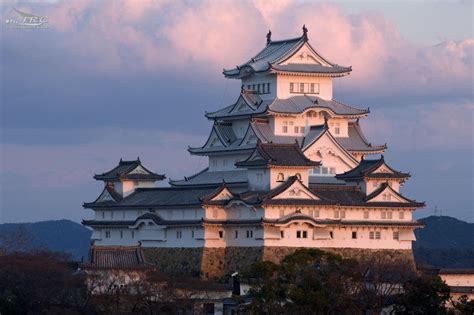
[[423, 295]]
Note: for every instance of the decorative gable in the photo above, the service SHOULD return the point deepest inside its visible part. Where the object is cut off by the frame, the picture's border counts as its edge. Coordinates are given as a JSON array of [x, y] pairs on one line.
[[387, 194], [306, 55], [105, 196], [213, 140], [250, 137], [139, 170], [382, 169], [296, 191], [224, 194], [241, 105], [329, 152]]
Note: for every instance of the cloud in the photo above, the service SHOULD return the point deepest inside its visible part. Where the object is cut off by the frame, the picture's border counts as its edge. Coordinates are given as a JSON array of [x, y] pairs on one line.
[[204, 37], [424, 127]]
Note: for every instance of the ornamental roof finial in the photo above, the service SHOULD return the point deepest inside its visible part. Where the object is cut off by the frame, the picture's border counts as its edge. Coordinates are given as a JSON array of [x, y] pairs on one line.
[[326, 122], [269, 37], [305, 33]]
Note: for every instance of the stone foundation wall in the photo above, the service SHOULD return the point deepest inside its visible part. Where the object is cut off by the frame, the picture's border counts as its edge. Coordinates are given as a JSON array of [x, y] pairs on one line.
[[211, 263]]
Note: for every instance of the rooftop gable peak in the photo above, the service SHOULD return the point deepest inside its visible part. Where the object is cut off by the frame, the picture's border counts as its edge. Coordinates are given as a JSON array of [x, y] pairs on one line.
[[293, 188], [129, 170]]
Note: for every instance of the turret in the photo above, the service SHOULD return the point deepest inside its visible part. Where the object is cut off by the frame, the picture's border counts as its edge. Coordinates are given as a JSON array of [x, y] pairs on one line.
[[127, 176]]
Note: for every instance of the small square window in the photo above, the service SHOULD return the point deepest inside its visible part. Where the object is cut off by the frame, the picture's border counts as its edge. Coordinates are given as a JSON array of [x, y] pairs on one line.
[[396, 235], [316, 213], [298, 234], [384, 215], [377, 235], [389, 215], [325, 170], [305, 234], [354, 235], [401, 215]]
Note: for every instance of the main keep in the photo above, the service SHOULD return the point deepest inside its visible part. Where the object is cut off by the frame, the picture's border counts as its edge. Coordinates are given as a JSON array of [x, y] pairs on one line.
[[289, 167]]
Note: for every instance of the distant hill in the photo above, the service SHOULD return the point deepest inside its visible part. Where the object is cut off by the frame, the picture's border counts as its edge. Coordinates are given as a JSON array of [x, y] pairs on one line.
[[59, 236], [445, 242]]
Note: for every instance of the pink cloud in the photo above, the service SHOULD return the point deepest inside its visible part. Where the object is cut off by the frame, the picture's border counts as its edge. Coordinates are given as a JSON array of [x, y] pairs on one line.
[[207, 36]]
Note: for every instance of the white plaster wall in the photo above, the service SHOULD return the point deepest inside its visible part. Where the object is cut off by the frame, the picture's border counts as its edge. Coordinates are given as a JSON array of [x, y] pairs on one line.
[[254, 184], [287, 172], [342, 238], [225, 162], [283, 85], [240, 127], [262, 79], [465, 280]]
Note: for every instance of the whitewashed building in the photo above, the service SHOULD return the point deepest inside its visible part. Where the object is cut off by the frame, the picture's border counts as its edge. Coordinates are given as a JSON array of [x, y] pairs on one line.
[[289, 167]]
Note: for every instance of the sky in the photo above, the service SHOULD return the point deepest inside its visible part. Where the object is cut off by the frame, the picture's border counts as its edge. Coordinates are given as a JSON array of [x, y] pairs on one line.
[[109, 80]]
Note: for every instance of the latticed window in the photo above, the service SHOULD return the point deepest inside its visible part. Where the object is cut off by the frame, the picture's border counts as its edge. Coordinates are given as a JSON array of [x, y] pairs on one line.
[[396, 235]]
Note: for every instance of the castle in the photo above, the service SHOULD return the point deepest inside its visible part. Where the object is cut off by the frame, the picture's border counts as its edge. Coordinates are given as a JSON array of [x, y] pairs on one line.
[[289, 167]]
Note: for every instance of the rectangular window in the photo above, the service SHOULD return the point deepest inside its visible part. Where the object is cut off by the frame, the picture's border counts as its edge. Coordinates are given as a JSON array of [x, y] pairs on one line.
[[282, 213], [236, 234], [395, 235], [133, 234], [332, 170], [192, 233], [121, 234], [336, 214], [214, 213], [337, 129], [389, 215], [249, 234], [375, 184], [371, 235], [305, 234], [268, 87], [253, 87], [298, 234], [377, 235], [310, 213], [331, 234], [311, 88], [221, 234], [282, 234], [103, 214], [316, 213], [301, 129], [366, 214], [325, 170], [248, 87], [301, 87], [384, 215], [292, 88], [224, 162], [354, 235], [401, 215], [285, 129], [179, 234], [107, 234], [343, 214], [258, 88], [296, 128]]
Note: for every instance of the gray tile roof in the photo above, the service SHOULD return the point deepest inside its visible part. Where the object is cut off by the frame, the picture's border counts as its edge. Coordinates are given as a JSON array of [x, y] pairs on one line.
[[159, 197], [293, 105], [277, 154], [276, 52], [356, 142], [365, 170], [122, 170], [116, 258], [213, 178]]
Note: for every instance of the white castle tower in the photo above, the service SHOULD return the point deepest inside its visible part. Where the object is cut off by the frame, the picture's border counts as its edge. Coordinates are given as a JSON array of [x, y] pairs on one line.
[[288, 168]]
